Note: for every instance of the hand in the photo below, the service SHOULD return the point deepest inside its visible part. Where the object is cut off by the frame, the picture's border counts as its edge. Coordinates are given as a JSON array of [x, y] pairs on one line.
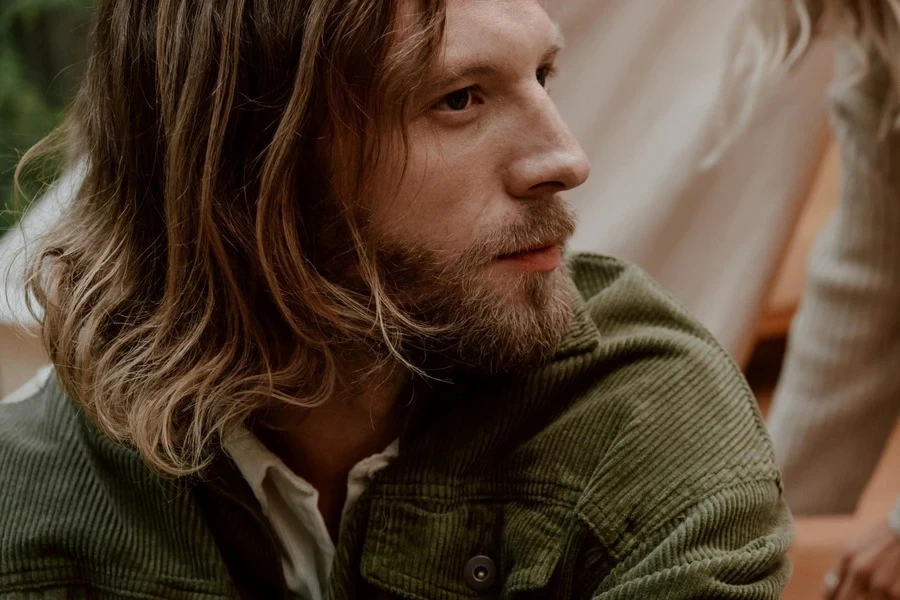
[[869, 567]]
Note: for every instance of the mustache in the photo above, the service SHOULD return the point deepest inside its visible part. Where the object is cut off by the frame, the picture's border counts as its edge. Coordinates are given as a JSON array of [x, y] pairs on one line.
[[543, 222]]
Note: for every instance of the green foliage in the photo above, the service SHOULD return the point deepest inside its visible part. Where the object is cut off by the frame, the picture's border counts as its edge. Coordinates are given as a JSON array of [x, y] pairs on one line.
[[43, 47]]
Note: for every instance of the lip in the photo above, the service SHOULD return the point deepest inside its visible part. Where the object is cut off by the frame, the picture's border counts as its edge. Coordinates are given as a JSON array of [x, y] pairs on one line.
[[539, 259]]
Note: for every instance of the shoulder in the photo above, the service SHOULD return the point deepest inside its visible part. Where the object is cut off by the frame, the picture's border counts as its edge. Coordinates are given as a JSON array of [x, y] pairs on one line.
[[619, 297], [45, 443], [81, 511], [663, 372], [679, 422], [630, 315], [40, 442], [40, 451]]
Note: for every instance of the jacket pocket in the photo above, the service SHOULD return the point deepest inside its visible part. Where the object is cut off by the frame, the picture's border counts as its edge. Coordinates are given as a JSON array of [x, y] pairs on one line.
[[467, 550]]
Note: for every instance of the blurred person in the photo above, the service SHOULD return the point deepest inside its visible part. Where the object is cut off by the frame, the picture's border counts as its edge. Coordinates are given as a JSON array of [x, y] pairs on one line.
[[313, 335], [836, 403]]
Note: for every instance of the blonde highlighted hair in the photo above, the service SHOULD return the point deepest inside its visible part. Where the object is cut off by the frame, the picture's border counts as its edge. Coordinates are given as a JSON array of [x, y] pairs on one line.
[[184, 289], [772, 36]]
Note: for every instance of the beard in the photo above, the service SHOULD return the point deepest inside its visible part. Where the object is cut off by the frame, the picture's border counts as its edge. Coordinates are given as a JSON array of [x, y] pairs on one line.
[[476, 317]]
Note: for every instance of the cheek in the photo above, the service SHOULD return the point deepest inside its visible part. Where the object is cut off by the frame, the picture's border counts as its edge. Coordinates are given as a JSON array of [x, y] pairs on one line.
[[446, 198]]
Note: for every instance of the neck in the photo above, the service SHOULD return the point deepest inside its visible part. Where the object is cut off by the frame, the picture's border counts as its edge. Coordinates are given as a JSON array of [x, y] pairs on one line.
[[324, 443]]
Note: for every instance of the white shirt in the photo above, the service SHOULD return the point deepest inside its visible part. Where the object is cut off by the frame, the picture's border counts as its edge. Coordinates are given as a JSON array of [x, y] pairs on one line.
[[291, 505]]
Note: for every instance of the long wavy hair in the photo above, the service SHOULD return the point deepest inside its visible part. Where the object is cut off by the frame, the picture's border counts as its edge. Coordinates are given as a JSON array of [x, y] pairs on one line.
[[183, 289], [772, 36]]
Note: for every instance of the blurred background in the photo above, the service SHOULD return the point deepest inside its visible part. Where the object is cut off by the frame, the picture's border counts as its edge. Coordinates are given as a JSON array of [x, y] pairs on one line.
[[43, 48], [638, 84]]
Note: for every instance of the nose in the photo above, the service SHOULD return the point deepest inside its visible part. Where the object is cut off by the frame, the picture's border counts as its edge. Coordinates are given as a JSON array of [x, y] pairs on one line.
[[548, 157]]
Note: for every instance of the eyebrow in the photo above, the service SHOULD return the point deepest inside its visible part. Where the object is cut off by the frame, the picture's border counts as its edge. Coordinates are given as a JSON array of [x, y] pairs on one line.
[[485, 69]]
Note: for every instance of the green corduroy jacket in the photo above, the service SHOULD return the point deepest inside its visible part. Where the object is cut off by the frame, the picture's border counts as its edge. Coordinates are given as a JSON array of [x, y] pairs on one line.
[[633, 465]]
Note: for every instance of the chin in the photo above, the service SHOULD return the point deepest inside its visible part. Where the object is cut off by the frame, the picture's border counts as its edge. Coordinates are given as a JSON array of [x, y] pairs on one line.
[[521, 329], [534, 290], [494, 319]]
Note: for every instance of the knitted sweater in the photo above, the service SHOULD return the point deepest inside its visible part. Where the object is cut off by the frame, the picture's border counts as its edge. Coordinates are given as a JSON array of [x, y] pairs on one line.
[[634, 464], [839, 394]]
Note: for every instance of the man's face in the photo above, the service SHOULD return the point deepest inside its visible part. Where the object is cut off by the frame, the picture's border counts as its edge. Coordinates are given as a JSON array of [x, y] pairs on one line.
[[471, 238]]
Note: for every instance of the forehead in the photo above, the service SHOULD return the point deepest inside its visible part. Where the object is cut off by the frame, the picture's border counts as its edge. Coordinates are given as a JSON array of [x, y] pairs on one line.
[[485, 28]]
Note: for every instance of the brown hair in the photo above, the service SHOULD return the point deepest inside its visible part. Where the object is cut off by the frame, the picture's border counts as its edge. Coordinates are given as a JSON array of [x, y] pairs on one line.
[[771, 36], [181, 291]]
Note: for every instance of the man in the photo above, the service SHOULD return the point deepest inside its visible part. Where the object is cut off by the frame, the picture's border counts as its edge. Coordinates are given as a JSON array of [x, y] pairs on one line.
[[313, 336]]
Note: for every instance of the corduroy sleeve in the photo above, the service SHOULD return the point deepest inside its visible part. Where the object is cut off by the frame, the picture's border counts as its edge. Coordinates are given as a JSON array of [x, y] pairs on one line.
[[729, 546]]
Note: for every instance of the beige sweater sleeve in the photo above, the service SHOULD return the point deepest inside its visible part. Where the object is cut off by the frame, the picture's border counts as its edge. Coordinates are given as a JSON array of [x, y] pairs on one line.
[[839, 394]]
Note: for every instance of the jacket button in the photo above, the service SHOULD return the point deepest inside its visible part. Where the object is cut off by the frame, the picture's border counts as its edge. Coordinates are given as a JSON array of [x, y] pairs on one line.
[[481, 572]]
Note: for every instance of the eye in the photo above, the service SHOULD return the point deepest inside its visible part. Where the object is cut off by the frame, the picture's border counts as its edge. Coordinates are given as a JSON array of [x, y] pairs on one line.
[[545, 73], [456, 101]]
